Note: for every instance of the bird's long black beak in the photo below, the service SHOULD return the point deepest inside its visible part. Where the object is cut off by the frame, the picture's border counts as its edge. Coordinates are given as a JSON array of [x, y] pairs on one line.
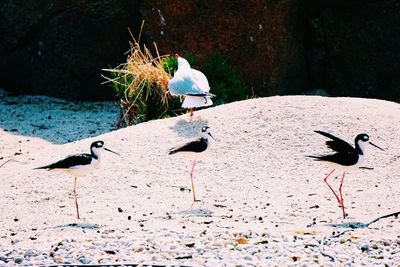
[[376, 146], [109, 150], [212, 136]]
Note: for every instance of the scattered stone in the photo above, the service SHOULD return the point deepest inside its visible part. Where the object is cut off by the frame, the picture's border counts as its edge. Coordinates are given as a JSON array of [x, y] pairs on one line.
[[364, 248], [242, 240], [183, 257], [248, 258], [18, 260], [58, 260], [190, 245], [28, 254], [84, 260], [296, 258], [138, 249]]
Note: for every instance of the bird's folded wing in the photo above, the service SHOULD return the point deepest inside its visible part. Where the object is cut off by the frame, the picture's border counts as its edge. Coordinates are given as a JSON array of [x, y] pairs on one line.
[[193, 146], [183, 86], [200, 80], [68, 162]]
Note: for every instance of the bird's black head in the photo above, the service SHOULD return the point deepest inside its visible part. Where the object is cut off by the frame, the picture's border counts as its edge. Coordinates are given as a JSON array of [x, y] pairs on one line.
[[97, 144], [97, 147], [205, 129], [365, 138], [362, 137], [206, 133]]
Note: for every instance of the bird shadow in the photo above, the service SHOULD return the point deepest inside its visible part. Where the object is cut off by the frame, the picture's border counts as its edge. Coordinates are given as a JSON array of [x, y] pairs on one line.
[[188, 129], [351, 225], [56, 120], [196, 213], [79, 225], [357, 225]]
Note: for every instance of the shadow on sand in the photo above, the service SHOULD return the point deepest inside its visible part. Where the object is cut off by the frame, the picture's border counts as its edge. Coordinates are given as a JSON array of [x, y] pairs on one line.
[[79, 225], [196, 213], [189, 129], [56, 120]]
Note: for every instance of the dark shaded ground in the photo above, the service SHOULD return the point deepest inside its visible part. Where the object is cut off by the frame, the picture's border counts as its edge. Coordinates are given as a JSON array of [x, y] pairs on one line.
[[56, 120]]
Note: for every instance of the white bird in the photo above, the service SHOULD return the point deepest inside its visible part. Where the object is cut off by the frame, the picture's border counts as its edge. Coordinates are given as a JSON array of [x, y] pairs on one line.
[[80, 165], [195, 150], [192, 84]]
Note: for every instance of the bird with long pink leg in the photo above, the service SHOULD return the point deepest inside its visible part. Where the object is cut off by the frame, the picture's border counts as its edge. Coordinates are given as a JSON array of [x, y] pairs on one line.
[[346, 158], [194, 150], [192, 85], [80, 165]]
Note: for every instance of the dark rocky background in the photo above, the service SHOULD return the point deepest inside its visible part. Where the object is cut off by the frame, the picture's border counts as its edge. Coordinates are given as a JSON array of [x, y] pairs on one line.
[[347, 48]]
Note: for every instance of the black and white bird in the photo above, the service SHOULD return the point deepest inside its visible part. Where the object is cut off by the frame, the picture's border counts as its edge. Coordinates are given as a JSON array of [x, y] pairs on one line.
[[195, 150], [192, 84], [346, 158], [80, 165]]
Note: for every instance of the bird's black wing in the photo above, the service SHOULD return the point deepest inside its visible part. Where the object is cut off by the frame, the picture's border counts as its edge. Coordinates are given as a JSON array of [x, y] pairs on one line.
[[196, 146], [68, 162], [337, 144], [339, 158]]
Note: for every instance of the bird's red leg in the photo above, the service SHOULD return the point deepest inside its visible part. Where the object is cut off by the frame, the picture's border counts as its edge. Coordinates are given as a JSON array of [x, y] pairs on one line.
[[341, 196], [330, 187], [76, 200], [191, 114], [191, 177], [74, 186]]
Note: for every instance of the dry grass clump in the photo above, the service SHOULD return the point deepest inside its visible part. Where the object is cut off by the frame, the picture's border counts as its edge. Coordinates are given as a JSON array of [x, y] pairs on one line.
[[141, 84]]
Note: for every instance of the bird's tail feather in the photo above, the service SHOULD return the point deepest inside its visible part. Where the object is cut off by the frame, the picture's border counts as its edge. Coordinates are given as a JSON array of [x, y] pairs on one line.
[[203, 94], [171, 151], [42, 167], [314, 157]]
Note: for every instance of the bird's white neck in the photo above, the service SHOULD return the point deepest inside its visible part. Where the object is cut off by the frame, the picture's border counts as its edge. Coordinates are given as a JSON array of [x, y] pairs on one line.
[[360, 144], [96, 152], [209, 139]]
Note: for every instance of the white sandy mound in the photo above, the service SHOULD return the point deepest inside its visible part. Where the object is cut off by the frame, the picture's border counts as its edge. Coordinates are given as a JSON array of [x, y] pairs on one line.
[[256, 182]]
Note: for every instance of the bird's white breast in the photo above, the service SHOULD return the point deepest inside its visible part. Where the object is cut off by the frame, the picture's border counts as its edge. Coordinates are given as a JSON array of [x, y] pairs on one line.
[[82, 170], [346, 168], [192, 155]]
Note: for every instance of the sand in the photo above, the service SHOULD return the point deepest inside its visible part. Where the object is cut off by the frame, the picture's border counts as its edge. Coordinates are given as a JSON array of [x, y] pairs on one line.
[[256, 183]]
